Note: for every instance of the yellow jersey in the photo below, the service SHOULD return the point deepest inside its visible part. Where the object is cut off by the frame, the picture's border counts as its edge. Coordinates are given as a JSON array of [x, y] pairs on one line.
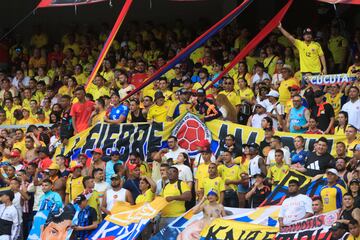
[[338, 48], [246, 94], [229, 173], [270, 64], [309, 56], [216, 184], [332, 197], [350, 146], [176, 108], [232, 96], [74, 187], [335, 102], [201, 174], [174, 208], [158, 113], [277, 173], [148, 196], [81, 79], [284, 92]]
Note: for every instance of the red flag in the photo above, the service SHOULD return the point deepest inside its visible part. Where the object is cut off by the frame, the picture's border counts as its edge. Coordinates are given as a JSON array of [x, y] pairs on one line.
[[341, 1], [64, 3], [254, 42]]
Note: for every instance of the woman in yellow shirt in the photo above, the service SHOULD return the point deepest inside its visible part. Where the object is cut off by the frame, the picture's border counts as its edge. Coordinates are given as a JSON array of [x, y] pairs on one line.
[[242, 72], [343, 123], [148, 188], [245, 92]]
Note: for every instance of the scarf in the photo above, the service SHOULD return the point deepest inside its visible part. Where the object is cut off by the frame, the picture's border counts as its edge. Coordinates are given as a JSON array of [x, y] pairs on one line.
[[321, 107]]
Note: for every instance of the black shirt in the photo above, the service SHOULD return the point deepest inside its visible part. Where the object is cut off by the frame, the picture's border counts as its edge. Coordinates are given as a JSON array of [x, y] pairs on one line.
[[140, 118], [323, 117], [259, 196], [133, 186], [318, 164]]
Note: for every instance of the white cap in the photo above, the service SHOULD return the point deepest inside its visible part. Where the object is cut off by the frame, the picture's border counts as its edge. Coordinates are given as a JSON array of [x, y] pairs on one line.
[[262, 104], [333, 171], [273, 93]]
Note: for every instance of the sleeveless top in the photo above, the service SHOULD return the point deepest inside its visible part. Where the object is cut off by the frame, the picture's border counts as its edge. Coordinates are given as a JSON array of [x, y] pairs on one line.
[[115, 196], [297, 118], [254, 168], [256, 120], [139, 118]]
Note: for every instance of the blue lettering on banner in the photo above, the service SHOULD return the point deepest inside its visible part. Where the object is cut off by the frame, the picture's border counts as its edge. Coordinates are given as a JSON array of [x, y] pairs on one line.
[[329, 79]]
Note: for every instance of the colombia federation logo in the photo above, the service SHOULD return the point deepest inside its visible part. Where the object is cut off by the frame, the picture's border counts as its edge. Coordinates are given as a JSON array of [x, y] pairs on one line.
[[189, 131]]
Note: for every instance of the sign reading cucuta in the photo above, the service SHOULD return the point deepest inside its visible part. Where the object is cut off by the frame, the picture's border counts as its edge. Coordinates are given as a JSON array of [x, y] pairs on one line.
[[330, 79], [146, 138]]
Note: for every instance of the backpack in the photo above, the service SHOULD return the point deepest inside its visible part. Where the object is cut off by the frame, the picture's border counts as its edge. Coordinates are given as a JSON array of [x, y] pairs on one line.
[[188, 204]]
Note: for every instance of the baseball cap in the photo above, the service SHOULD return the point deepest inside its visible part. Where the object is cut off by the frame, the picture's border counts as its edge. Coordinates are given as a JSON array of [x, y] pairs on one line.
[[261, 104], [356, 148], [295, 87], [333, 171], [201, 91], [115, 152], [15, 153], [158, 95], [183, 91], [260, 175], [288, 67], [212, 192], [80, 198], [354, 181], [273, 93], [178, 65], [253, 145], [115, 176], [203, 70], [336, 226], [54, 166], [74, 165], [97, 150], [307, 31], [318, 94]]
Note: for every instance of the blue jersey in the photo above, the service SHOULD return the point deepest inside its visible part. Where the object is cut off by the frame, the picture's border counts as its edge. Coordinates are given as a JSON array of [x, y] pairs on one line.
[[298, 157], [116, 112]]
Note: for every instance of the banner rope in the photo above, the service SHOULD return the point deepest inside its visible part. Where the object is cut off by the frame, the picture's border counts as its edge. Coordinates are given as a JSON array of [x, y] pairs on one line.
[[18, 23]]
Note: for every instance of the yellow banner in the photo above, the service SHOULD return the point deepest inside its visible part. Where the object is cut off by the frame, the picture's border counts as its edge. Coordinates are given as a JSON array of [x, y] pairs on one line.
[[229, 229], [244, 134], [124, 214], [146, 138]]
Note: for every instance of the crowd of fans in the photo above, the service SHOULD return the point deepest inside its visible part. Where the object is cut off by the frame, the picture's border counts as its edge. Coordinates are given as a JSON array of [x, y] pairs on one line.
[[42, 82]]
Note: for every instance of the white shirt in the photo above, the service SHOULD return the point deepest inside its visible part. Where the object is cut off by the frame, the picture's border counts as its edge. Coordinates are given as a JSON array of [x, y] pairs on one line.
[[257, 78], [174, 154], [277, 78], [160, 186], [38, 192], [15, 82], [10, 213], [101, 189], [353, 110], [270, 160], [223, 111], [295, 208], [185, 173], [17, 204], [281, 111]]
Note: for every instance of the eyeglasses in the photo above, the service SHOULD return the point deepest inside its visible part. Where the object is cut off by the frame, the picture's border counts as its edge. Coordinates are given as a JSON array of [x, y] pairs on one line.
[[293, 90]]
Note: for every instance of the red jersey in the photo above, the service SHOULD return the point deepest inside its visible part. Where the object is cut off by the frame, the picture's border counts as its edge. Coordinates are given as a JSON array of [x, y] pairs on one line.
[[82, 113], [138, 78]]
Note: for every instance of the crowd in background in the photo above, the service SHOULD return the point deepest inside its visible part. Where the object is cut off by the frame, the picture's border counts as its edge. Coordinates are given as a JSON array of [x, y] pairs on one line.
[[42, 82]]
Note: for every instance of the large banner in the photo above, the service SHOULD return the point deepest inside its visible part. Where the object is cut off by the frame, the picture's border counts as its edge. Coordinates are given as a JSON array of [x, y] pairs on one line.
[[62, 3], [45, 223], [187, 224], [316, 227], [127, 222], [146, 138], [221, 229]]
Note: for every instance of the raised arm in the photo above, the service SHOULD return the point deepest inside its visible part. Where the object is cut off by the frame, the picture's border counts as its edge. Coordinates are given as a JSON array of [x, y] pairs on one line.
[[286, 34]]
